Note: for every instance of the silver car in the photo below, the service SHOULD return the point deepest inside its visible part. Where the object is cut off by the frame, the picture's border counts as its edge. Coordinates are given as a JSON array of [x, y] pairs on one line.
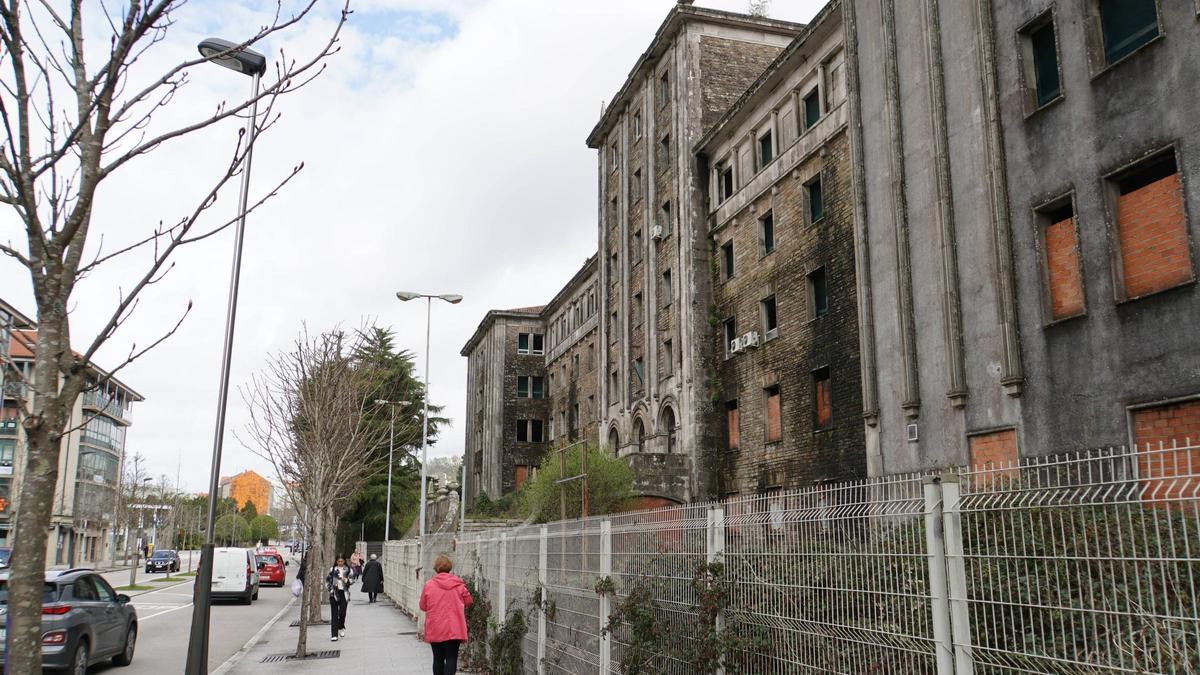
[[84, 621]]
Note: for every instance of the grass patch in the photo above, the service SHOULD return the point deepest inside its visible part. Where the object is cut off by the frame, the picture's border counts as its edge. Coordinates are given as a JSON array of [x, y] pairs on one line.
[[134, 587], [188, 574], [166, 579]]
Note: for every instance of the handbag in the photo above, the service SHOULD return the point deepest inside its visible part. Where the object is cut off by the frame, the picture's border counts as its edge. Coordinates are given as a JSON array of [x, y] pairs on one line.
[[297, 588]]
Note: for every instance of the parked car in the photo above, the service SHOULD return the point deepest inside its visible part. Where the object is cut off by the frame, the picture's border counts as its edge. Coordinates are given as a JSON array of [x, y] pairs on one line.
[[235, 574], [84, 621], [5, 554], [165, 560], [271, 567]]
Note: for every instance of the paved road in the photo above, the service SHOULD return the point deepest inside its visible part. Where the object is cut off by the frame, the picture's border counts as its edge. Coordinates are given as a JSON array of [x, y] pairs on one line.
[[165, 617]]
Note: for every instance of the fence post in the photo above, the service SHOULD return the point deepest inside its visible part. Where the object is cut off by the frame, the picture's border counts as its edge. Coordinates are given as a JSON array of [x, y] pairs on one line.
[[935, 545], [543, 548], [502, 592], [716, 552], [605, 599], [956, 571]]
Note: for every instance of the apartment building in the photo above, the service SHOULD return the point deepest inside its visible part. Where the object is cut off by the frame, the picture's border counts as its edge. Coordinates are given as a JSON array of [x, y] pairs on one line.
[[781, 228], [653, 238], [248, 486], [1026, 189], [85, 498]]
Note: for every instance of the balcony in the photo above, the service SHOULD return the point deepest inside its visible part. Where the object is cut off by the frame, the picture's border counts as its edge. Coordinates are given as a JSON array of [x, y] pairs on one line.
[[8, 427], [100, 402], [660, 475]]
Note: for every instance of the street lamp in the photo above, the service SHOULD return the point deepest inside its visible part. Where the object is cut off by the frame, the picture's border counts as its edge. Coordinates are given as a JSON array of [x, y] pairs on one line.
[[387, 519], [405, 296], [141, 524], [248, 62]]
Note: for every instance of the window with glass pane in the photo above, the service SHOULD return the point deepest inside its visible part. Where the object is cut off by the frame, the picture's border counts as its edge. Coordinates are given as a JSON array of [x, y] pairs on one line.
[[8, 449], [539, 343], [1127, 25], [816, 200], [766, 150], [726, 182], [522, 386], [727, 257], [817, 293], [523, 343], [730, 329], [770, 325], [535, 431], [1045, 63], [812, 108], [766, 226]]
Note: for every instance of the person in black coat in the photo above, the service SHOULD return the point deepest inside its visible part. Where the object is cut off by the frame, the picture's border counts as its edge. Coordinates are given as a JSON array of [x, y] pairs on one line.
[[372, 578]]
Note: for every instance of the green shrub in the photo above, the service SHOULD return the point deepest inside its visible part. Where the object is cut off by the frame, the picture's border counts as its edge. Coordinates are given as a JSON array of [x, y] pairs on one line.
[[610, 485]]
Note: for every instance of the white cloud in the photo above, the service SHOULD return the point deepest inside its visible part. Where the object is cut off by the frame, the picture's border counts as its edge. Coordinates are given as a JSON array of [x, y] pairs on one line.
[[444, 152]]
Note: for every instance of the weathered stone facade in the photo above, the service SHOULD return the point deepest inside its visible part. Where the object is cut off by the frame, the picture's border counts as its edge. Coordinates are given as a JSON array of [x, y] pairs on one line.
[[572, 361], [787, 404], [652, 234]]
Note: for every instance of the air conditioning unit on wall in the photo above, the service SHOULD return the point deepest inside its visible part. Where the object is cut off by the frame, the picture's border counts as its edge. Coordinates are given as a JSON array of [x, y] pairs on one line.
[[735, 346], [658, 232], [750, 339]]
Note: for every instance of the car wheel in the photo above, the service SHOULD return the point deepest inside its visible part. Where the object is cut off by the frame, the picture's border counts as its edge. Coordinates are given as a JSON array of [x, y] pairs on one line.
[[255, 596], [79, 662], [247, 598], [126, 656]]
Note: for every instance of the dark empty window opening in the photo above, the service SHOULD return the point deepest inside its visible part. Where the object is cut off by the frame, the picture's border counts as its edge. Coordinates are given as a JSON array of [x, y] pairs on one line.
[[1045, 63], [664, 151], [635, 186], [522, 431], [635, 247], [727, 259], [1146, 174], [766, 226], [816, 200], [668, 358], [766, 150], [539, 343], [812, 108], [818, 293], [665, 218], [664, 89], [769, 318], [535, 431], [667, 291], [1126, 25], [637, 309], [726, 181]]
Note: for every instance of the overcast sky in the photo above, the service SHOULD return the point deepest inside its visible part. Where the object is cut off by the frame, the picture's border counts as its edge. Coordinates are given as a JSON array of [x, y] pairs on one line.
[[444, 153]]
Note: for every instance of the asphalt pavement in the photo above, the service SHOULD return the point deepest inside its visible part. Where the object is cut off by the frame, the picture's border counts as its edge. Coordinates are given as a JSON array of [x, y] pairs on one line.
[[165, 617]]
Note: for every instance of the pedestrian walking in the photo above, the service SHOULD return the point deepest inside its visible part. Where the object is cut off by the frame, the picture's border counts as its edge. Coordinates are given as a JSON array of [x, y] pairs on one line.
[[445, 600], [372, 578], [338, 581]]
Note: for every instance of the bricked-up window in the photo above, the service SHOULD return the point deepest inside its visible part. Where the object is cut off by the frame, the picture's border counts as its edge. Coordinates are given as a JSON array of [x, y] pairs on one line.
[[1064, 280], [668, 358], [812, 108], [1041, 60], [591, 407], [635, 247], [663, 91], [766, 232], [664, 218], [667, 293], [727, 259], [522, 474], [733, 422], [1126, 25], [637, 309], [614, 387], [816, 199], [994, 455], [774, 414], [1158, 432], [822, 399], [818, 294], [725, 180], [591, 351], [1152, 227], [613, 328], [769, 318], [664, 152], [635, 186], [612, 268], [729, 330], [766, 149]]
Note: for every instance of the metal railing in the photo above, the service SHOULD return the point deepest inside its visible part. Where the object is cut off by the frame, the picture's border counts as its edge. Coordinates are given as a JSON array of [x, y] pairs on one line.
[[1080, 563]]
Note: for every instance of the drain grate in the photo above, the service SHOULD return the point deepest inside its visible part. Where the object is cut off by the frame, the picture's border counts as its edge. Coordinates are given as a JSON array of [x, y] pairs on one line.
[[311, 656], [407, 632], [296, 624]]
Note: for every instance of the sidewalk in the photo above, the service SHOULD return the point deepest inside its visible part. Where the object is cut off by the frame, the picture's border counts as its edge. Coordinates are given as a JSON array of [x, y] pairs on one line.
[[379, 639]]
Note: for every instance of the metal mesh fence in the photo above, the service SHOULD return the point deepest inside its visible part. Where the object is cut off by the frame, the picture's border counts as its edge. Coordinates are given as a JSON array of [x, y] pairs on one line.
[[1080, 563]]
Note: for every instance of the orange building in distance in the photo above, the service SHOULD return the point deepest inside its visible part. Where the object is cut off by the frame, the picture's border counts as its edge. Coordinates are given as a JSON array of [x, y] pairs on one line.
[[248, 486]]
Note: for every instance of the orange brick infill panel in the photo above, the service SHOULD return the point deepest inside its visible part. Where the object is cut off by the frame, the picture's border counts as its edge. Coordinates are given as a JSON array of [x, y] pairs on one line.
[[1062, 267], [1168, 447], [1153, 236], [994, 456]]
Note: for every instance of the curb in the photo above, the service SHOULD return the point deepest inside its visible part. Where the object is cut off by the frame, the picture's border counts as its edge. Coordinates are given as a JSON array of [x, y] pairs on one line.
[[253, 641]]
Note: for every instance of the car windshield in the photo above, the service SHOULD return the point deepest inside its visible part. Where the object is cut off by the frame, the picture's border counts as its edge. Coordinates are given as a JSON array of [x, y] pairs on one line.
[[4, 554], [267, 560], [49, 592], [163, 554]]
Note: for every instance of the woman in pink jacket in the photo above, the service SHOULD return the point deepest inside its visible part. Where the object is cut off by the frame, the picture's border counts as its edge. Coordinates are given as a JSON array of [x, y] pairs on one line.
[[444, 600]]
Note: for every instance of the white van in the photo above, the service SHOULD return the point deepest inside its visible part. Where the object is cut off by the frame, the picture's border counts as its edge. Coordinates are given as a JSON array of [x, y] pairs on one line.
[[235, 574]]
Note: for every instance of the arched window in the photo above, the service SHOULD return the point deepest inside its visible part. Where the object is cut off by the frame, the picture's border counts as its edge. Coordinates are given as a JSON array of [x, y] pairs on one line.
[[639, 433], [668, 425], [614, 441]]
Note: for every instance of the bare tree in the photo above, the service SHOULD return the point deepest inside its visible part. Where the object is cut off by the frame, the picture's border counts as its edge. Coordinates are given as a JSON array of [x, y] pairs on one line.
[[308, 417], [69, 124]]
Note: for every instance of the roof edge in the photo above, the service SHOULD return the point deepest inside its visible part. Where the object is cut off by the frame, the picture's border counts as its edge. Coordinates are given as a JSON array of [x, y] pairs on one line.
[[588, 267], [489, 319]]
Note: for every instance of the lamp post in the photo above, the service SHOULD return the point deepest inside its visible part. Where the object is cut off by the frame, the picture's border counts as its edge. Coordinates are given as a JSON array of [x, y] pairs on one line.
[[137, 561], [405, 296], [387, 518], [248, 62]]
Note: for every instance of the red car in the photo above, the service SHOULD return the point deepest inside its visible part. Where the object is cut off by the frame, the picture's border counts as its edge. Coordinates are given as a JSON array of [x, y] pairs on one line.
[[271, 568]]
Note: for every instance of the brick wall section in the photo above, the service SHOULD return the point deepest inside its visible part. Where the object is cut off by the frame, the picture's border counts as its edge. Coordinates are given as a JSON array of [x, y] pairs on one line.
[[1063, 270], [1153, 236], [996, 449], [804, 454], [516, 454], [729, 67], [1157, 432], [576, 389]]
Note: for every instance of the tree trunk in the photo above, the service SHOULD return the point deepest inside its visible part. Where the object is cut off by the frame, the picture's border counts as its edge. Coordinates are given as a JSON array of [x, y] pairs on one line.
[[302, 641], [316, 566]]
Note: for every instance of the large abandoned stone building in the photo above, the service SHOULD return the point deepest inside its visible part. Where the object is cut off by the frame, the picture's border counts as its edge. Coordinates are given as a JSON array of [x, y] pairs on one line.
[[882, 242]]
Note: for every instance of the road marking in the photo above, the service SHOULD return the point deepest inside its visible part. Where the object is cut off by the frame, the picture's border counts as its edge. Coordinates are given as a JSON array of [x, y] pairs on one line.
[[165, 611], [241, 653]]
